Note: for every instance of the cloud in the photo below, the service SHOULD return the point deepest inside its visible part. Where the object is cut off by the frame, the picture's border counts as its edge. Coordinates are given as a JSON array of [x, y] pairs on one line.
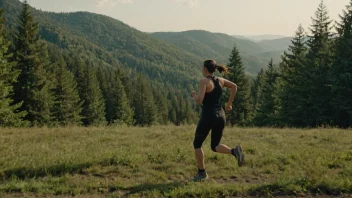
[[112, 3], [125, 1], [190, 3]]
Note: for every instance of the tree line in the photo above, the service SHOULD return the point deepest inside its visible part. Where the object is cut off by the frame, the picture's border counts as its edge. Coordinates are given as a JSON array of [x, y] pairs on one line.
[[43, 85], [311, 86]]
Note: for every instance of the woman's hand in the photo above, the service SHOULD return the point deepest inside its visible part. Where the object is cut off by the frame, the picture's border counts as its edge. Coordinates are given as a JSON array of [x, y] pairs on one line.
[[228, 107], [193, 94], [233, 93]]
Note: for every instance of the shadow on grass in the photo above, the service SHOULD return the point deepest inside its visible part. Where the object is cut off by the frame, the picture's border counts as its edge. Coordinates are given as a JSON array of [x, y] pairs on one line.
[[267, 190], [163, 189], [56, 170], [299, 187]]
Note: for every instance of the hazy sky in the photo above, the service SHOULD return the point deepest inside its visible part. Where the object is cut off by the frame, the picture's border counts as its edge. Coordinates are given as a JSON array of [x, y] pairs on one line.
[[240, 17]]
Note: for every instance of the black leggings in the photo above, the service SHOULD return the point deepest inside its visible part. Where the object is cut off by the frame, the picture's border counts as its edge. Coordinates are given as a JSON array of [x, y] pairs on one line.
[[213, 121]]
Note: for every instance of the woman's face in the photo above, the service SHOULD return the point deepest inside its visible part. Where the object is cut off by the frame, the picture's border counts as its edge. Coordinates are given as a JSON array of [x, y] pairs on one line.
[[204, 71]]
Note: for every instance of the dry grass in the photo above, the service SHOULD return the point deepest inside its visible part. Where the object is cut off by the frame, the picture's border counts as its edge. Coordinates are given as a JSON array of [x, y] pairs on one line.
[[159, 161]]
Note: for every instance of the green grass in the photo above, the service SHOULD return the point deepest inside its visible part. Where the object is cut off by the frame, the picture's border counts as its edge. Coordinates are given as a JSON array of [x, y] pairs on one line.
[[159, 161]]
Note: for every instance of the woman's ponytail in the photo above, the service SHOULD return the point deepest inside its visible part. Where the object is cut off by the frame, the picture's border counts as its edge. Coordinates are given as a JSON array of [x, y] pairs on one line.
[[222, 69], [212, 66]]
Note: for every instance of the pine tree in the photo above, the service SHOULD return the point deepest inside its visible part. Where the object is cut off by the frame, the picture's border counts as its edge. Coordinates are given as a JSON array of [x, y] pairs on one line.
[[122, 110], [107, 83], [241, 112], [257, 90], [172, 116], [161, 104], [268, 104], [292, 72], [181, 110], [190, 117], [128, 82], [316, 99], [67, 105], [78, 71], [143, 103], [93, 110], [8, 113], [172, 106], [342, 70], [33, 85]]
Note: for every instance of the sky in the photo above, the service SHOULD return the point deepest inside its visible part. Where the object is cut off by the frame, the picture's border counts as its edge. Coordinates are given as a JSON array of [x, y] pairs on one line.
[[233, 17]]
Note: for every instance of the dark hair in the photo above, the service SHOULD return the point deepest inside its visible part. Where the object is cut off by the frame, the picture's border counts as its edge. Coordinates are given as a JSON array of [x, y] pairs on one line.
[[212, 66]]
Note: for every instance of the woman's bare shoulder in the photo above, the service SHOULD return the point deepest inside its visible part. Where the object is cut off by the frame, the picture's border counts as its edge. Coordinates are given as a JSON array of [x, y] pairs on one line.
[[222, 81], [204, 80]]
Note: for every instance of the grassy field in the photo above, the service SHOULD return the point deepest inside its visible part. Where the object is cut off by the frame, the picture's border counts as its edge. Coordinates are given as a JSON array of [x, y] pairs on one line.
[[159, 162]]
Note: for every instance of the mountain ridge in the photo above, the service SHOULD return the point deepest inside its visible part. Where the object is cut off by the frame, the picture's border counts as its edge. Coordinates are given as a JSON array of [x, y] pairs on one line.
[[218, 46], [159, 55], [113, 42]]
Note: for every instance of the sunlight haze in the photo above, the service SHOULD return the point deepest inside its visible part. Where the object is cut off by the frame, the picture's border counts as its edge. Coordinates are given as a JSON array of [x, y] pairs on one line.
[[239, 17]]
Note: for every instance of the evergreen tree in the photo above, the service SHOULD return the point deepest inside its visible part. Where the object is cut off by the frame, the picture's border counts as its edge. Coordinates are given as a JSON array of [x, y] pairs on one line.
[[162, 108], [172, 106], [268, 104], [77, 68], [172, 116], [67, 105], [257, 90], [122, 111], [342, 70], [128, 82], [241, 112], [316, 99], [107, 83], [143, 103], [8, 113], [181, 109], [93, 111], [33, 86], [292, 74], [190, 117]]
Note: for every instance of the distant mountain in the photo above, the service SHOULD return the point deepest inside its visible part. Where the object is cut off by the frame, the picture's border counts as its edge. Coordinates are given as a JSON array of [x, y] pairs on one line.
[[112, 43], [218, 46], [217, 41], [242, 37], [172, 57], [276, 44], [260, 37]]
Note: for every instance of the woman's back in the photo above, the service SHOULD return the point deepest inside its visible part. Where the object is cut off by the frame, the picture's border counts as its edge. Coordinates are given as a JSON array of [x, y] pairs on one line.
[[212, 99]]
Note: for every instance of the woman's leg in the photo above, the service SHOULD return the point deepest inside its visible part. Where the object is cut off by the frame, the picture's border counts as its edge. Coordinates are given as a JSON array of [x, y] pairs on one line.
[[216, 134], [202, 132], [222, 148], [200, 158]]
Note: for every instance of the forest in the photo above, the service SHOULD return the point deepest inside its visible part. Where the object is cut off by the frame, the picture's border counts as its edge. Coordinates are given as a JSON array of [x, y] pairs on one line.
[[85, 69]]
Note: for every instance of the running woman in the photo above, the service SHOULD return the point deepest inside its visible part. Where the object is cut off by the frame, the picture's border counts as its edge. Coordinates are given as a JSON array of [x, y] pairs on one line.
[[213, 116]]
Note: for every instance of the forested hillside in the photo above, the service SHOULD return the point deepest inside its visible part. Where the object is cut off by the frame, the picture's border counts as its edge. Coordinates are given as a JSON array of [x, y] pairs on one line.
[[107, 54], [88, 69], [218, 46]]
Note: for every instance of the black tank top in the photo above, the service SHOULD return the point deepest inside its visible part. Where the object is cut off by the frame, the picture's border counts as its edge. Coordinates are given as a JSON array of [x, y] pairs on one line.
[[212, 100]]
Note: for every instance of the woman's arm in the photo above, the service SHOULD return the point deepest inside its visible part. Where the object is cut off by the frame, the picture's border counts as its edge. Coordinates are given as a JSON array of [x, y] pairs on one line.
[[202, 88], [233, 88]]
